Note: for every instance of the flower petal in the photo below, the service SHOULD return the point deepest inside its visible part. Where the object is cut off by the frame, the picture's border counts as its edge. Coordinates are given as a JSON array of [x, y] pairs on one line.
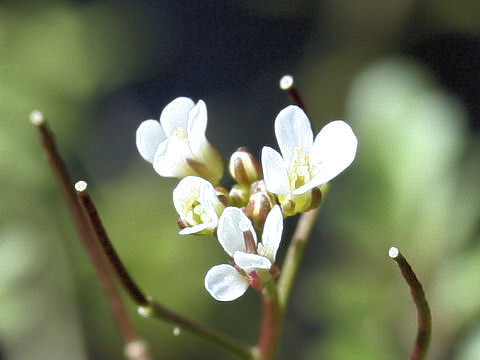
[[149, 135], [175, 115], [272, 234], [231, 226], [274, 171], [187, 189], [332, 152], [197, 125], [225, 283], [170, 158], [210, 202], [293, 130], [249, 262], [195, 229]]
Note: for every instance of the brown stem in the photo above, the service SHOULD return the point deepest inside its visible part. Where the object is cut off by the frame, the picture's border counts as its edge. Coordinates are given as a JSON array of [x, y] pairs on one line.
[[119, 269], [147, 306], [64, 182], [271, 322], [158, 311], [424, 318]]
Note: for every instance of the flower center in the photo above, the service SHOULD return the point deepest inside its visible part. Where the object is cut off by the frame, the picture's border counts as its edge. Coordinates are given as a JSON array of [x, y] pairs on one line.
[[194, 211], [181, 133], [300, 172]]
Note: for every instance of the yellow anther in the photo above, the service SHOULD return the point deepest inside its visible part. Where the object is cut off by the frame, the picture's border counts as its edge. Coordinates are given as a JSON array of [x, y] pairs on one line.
[[181, 133], [197, 210]]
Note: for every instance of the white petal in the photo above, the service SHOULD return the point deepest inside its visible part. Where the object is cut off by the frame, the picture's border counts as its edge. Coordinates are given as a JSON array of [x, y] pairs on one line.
[[187, 189], [170, 158], [196, 228], [274, 171], [197, 125], [249, 262], [225, 283], [175, 115], [231, 226], [332, 152], [210, 202], [149, 135], [293, 130], [272, 234]]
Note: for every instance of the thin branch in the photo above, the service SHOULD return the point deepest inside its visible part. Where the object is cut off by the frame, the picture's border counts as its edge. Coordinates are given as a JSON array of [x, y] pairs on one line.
[[424, 317], [287, 83], [160, 312], [119, 269], [294, 255], [147, 306], [64, 182]]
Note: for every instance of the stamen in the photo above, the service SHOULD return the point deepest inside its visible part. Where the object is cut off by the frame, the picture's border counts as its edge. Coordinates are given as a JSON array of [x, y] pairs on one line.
[[181, 133], [198, 209]]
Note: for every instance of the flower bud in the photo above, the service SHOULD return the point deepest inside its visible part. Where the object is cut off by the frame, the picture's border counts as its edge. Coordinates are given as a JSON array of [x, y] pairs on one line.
[[239, 195], [259, 186], [244, 167], [223, 196], [258, 208]]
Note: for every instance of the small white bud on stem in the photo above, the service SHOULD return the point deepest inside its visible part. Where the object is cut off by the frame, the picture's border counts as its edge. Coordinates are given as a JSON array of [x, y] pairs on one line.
[[286, 82], [37, 118], [393, 252], [81, 186]]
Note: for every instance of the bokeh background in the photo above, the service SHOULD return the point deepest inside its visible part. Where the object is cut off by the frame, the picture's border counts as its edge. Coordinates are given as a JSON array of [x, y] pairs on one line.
[[405, 74]]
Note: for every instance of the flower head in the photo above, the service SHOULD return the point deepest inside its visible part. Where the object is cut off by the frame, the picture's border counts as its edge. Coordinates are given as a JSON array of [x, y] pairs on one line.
[[252, 260], [176, 145], [196, 202], [305, 164]]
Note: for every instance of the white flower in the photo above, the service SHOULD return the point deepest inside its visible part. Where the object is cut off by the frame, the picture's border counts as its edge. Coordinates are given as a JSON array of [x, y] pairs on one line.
[[305, 164], [176, 145], [197, 204], [252, 260]]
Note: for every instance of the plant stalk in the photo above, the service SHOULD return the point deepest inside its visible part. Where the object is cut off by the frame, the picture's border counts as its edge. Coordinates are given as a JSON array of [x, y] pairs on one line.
[[424, 317]]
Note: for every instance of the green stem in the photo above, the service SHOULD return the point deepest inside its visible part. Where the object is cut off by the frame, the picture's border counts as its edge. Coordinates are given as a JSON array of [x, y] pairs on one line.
[[424, 317], [294, 255], [271, 323], [155, 310]]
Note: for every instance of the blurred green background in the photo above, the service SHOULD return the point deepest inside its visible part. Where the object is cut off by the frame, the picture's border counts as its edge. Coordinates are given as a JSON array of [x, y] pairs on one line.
[[404, 73]]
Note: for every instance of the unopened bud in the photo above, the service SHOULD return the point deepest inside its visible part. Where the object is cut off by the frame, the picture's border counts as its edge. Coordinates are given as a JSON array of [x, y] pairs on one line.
[[223, 196], [300, 203], [239, 195], [258, 207], [244, 167], [258, 186]]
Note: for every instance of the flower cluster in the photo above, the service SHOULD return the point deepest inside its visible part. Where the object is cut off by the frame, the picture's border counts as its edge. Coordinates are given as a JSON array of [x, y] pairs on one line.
[[284, 184]]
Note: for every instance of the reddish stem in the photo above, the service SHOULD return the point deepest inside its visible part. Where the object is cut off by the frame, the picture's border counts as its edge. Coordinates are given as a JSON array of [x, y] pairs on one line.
[[424, 317], [271, 322], [117, 308]]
